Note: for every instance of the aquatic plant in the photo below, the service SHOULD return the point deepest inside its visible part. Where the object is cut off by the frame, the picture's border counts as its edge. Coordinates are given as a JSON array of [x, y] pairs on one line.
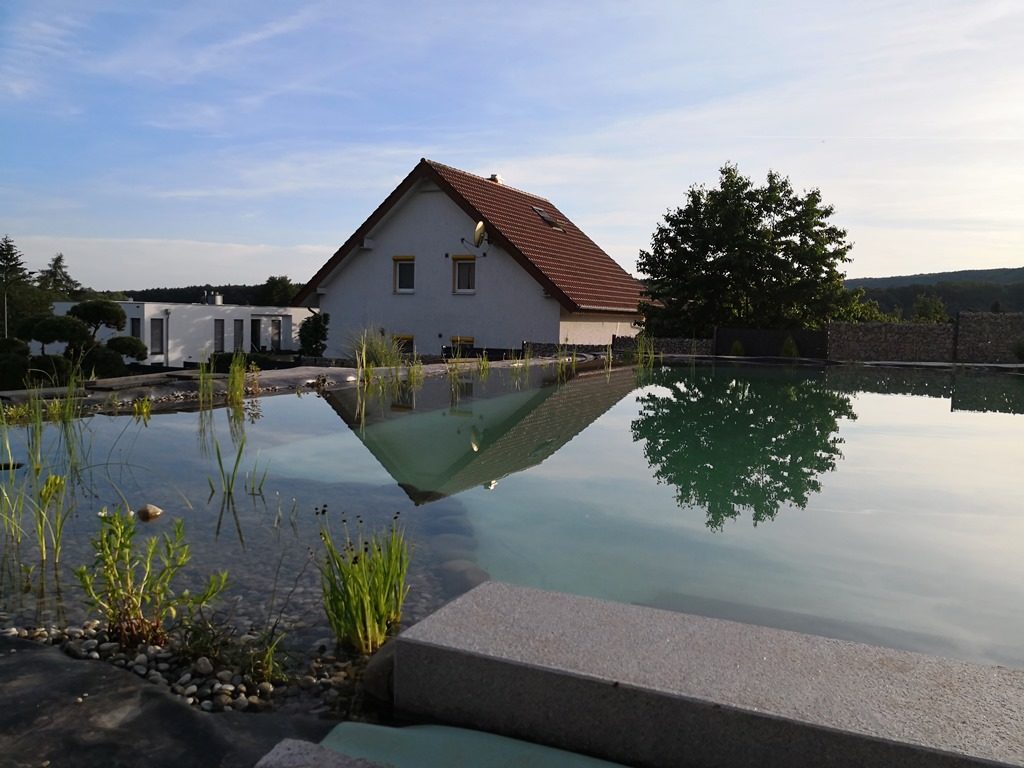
[[415, 372], [227, 478], [643, 352], [483, 366], [204, 385], [236, 379], [133, 589], [142, 409], [374, 350], [254, 480], [364, 586]]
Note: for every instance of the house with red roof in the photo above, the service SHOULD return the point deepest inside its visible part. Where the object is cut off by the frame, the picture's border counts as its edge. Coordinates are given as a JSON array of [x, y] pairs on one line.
[[455, 259]]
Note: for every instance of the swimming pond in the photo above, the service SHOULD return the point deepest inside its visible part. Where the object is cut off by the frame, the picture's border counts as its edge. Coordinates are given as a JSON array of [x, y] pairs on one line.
[[875, 505]]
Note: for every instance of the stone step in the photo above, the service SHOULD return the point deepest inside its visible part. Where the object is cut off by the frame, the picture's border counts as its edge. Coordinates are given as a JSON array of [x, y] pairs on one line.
[[653, 688]]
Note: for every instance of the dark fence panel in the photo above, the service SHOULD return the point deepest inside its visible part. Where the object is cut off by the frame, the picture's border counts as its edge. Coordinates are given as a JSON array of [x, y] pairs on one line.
[[769, 342]]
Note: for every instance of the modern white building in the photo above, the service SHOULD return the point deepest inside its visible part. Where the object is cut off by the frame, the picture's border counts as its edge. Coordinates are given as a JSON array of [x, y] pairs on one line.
[[176, 334], [451, 258]]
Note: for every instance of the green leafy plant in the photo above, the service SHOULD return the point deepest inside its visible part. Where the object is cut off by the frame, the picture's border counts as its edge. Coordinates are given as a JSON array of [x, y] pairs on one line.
[[313, 334], [142, 409], [736, 349], [364, 586], [133, 589], [374, 350]]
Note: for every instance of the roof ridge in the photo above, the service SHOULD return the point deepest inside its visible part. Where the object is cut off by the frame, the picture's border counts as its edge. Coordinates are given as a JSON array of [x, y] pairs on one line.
[[500, 184]]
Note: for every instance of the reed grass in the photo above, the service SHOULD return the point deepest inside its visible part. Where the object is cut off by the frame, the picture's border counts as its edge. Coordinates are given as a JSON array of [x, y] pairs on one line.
[[643, 352], [364, 586], [415, 372], [374, 350], [142, 409], [204, 385], [483, 366], [236, 380]]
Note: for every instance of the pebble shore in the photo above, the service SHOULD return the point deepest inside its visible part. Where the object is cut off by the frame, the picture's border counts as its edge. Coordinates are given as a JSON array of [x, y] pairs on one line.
[[324, 685]]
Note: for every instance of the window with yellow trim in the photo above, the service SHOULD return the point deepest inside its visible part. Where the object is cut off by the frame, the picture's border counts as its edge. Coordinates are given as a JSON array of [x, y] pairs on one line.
[[462, 344], [463, 274], [404, 280]]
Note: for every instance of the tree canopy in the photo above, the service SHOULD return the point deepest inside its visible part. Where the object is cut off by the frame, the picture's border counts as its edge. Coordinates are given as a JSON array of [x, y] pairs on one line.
[[13, 273], [97, 312], [743, 255], [57, 280]]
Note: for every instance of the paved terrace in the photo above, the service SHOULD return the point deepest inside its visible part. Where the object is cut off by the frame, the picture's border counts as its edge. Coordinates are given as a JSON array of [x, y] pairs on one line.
[[651, 688]]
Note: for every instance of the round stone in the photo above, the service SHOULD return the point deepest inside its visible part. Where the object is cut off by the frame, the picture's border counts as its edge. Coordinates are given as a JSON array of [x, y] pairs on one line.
[[203, 666]]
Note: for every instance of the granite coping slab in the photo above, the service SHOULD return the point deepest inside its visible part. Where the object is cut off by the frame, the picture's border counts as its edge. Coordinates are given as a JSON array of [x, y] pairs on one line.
[[686, 690]]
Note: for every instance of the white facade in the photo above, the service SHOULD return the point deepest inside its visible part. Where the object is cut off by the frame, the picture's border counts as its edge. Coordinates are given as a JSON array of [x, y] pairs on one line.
[[176, 334], [505, 306]]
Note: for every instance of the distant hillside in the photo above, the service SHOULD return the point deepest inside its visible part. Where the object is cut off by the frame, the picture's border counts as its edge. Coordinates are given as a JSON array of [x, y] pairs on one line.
[[993, 276], [977, 290]]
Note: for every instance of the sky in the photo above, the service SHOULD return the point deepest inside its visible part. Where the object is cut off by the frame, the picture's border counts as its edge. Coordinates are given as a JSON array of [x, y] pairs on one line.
[[178, 143]]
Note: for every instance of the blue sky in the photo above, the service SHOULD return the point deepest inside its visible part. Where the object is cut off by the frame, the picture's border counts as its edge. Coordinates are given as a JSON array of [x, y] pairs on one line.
[[191, 142]]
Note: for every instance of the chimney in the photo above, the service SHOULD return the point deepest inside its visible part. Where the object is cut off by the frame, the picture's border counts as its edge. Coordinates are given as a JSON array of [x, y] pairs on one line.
[[496, 178]]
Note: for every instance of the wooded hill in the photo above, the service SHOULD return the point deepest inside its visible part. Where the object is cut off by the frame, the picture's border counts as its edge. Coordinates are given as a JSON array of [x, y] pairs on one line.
[[980, 290]]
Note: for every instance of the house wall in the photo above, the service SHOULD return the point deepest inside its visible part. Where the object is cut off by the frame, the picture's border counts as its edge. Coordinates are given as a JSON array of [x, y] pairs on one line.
[[508, 306], [594, 329], [189, 328]]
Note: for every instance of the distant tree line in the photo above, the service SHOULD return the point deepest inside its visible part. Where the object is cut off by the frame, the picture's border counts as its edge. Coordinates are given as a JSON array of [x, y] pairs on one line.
[[277, 291], [955, 297]]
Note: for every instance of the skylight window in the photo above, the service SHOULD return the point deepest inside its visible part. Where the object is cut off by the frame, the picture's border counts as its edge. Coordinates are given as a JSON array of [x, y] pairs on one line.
[[550, 220]]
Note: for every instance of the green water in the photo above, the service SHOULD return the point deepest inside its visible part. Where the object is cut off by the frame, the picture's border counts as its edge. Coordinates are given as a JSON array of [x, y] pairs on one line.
[[876, 505]]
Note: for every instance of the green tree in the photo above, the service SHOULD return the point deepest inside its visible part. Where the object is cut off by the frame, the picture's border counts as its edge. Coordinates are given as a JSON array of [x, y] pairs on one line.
[[929, 308], [99, 312], [61, 328], [13, 274], [744, 255], [730, 441], [277, 292], [313, 334], [129, 346], [56, 279]]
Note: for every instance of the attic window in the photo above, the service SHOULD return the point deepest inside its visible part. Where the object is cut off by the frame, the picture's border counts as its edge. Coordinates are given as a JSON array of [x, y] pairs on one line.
[[550, 220]]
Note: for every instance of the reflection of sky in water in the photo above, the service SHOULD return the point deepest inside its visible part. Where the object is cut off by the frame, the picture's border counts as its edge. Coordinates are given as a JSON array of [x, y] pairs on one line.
[[914, 540]]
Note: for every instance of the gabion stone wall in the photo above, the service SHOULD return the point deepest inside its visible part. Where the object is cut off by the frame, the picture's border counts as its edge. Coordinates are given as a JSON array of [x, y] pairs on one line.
[[906, 342], [675, 346], [988, 337]]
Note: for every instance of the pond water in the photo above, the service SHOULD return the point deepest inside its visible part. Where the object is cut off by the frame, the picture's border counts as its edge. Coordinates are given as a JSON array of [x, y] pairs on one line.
[[884, 506]]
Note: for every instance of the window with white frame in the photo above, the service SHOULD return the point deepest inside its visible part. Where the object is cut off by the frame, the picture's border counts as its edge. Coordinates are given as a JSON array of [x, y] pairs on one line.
[[463, 274], [404, 274]]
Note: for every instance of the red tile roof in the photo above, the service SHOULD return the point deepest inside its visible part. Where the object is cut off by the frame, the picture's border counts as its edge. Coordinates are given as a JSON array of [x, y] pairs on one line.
[[567, 263]]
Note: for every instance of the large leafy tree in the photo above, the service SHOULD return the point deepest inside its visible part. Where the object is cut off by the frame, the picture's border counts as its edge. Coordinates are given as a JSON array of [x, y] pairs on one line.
[[732, 443], [745, 255], [277, 291]]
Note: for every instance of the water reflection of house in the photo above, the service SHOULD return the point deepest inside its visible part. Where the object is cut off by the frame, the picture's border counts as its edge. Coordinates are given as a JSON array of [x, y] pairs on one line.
[[439, 446]]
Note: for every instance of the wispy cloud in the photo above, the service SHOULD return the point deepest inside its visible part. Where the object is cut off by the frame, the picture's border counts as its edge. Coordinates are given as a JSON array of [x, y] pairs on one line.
[[35, 42]]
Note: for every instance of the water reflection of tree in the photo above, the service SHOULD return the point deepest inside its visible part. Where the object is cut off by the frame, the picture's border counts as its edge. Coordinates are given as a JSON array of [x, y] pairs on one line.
[[730, 440]]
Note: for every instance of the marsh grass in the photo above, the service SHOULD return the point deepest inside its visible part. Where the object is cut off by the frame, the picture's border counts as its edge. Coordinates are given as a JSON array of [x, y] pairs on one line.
[[204, 385], [235, 394], [364, 586], [415, 373], [374, 350], [255, 480], [133, 588], [483, 366], [142, 409], [644, 354], [227, 477]]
